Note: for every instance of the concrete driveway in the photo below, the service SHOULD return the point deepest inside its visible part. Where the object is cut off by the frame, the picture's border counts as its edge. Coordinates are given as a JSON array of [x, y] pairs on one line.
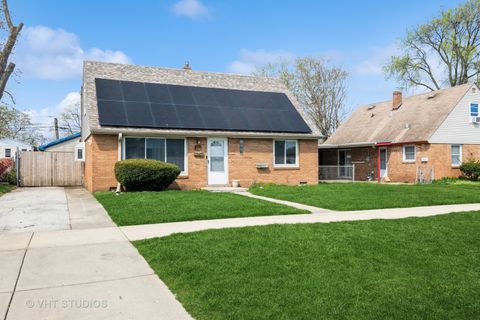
[[34, 209], [89, 271]]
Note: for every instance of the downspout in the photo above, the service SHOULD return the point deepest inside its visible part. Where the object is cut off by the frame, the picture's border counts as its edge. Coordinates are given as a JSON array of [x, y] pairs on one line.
[[119, 157], [378, 165]]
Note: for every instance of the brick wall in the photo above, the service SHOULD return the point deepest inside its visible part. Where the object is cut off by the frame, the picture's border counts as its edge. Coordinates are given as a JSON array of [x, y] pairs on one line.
[[243, 166], [101, 155]]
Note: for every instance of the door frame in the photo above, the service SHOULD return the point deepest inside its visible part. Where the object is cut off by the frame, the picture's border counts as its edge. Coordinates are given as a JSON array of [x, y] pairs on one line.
[[225, 159], [385, 174]]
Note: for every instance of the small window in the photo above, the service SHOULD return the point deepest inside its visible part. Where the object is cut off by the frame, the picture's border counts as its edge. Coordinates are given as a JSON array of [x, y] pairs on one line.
[[409, 153], [474, 111], [456, 155], [8, 153], [80, 152], [285, 153]]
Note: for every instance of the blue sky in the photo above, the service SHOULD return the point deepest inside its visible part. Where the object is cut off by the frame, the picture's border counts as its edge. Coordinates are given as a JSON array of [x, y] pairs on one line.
[[224, 36]]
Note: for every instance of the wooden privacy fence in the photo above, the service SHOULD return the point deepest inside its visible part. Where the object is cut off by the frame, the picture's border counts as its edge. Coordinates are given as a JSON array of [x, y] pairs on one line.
[[45, 169]]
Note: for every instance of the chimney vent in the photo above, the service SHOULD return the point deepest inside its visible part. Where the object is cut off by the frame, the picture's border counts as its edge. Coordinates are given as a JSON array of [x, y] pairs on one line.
[[397, 100], [186, 66]]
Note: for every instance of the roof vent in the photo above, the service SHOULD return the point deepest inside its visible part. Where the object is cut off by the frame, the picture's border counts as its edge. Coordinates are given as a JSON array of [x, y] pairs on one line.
[[186, 66], [371, 107], [432, 95]]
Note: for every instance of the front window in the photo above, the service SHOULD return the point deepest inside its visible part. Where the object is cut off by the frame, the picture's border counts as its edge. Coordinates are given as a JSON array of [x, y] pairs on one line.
[[409, 153], [286, 152], [456, 155], [8, 153], [166, 150]]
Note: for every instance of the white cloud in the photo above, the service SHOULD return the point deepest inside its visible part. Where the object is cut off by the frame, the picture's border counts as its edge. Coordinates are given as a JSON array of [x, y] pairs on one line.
[[193, 9], [249, 60], [43, 118], [56, 54], [377, 58]]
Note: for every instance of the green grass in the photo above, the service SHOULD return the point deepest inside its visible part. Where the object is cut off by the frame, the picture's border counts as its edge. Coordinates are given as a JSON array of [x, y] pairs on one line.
[[4, 188], [416, 268], [361, 196], [170, 206]]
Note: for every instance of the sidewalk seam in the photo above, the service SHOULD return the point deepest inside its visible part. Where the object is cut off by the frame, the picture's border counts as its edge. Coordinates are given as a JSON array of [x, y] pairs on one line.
[[18, 277]]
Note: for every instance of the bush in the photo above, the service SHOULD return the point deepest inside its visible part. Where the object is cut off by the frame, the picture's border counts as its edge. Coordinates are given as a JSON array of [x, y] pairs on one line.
[[471, 169], [145, 174], [11, 177]]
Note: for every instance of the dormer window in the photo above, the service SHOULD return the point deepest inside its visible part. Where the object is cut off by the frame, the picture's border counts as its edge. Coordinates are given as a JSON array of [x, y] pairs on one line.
[[474, 112]]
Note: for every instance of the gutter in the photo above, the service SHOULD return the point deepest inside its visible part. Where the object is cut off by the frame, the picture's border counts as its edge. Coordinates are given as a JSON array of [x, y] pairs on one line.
[[204, 133], [369, 144]]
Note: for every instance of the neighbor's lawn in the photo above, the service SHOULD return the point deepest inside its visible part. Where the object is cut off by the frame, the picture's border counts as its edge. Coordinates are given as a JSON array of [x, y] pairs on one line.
[[169, 206], [4, 188], [360, 196], [417, 268]]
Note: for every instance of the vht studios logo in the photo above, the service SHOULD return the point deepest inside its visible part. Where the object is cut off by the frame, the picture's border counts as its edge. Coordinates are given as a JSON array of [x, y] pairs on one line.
[[67, 304]]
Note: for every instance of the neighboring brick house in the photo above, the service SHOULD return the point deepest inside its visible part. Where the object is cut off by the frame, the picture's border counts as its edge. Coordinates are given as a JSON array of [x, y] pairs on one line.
[[216, 127], [426, 136]]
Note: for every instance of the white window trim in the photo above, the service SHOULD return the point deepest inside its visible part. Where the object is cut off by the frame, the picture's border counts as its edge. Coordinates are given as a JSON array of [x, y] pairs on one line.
[[10, 151], [296, 165], [414, 153], [80, 146], [182, 173], [460, 158]]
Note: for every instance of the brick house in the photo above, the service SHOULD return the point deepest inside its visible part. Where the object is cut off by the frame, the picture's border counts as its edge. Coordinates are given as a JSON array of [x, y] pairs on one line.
[[426, 136], [216, 127]]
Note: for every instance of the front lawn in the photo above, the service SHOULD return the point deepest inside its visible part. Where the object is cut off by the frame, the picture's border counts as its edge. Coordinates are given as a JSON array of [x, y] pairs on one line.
[[416, 268], [362, 196], [132, 208], [4, 188]]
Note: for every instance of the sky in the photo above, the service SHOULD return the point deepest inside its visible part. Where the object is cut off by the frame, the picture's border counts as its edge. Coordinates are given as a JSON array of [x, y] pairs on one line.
[[224, 36]]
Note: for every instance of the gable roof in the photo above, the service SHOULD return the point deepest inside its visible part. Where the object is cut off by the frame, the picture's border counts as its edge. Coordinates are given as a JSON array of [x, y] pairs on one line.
[[44, 147], [292, 122], [417, 119]]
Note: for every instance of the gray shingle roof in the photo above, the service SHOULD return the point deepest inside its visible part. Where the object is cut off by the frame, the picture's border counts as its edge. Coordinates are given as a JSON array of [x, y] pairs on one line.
[[416, 120]]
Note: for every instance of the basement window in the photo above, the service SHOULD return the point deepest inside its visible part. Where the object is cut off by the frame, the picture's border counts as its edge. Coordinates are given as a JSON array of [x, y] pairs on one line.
[[409, 153]]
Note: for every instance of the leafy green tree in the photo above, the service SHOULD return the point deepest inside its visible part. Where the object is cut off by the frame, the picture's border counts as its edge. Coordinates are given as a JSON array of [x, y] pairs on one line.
[[18, 125], [441, 53]]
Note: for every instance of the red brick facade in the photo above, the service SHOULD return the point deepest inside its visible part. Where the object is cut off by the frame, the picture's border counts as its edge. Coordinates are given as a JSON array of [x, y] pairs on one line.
[[102, 153], [430, 159]]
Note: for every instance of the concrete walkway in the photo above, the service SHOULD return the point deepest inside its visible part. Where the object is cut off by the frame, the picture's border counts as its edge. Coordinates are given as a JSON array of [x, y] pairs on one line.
[[139, 232], [84, 273]]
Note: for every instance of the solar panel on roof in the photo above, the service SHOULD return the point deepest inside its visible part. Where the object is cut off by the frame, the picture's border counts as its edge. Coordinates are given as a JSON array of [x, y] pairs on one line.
[[164, 106]]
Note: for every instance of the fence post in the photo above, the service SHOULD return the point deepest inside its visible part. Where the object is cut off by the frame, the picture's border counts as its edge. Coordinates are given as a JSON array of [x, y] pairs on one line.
[[353, 172], [17, 167]]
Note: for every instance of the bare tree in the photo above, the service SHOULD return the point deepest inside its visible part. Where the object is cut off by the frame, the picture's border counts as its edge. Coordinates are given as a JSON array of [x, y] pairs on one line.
[[442, 52], [318, 86], [70, 121], [6, 67]]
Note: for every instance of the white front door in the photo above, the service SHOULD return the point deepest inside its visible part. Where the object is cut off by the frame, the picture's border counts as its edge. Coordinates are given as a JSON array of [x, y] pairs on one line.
[[217, 161], [383, 162]]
